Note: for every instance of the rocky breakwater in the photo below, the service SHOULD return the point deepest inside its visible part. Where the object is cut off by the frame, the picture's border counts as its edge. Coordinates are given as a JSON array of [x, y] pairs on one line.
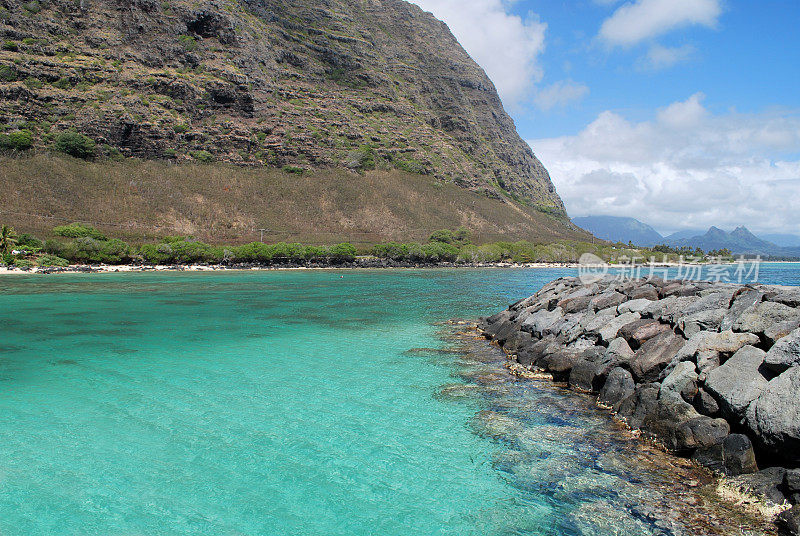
[[711, 371]]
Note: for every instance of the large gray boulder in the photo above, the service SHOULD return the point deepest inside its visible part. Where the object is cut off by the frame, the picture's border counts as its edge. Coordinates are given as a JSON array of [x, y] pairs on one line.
[[681, 429], [694, 323], [639, 405], [783, 294], [776, 332], [584, 371], [644, 292], [759, 317], [575, 305], [725, 342], [774, 417], [609, 298], [738, 456], [785, 353], [541, 320], [609, 330], [742, 301], [654, 355], [619, 385], [633, 306], [681, 382], [738, 382]]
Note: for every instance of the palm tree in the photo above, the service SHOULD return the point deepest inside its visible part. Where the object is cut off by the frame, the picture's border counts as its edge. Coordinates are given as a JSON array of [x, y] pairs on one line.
[[8, 239]]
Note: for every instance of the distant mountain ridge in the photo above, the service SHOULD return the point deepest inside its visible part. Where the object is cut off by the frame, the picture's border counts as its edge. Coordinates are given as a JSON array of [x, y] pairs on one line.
[[740, 241], [619, 229]]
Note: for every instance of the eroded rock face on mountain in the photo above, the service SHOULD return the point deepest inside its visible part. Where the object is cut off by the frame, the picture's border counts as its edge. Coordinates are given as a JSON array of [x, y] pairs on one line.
[[307, 84]]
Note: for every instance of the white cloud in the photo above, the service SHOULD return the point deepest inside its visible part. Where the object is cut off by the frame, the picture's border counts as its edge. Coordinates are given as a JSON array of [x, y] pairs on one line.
[[687, 168], [645, 19], [660, 57], [560, 94], [505, 45]]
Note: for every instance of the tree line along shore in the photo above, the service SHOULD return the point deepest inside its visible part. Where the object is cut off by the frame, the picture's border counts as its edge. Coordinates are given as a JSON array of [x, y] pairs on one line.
[[82, 244]]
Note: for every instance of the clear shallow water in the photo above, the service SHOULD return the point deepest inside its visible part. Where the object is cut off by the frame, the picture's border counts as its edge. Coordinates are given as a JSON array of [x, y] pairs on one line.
[[293, 403]]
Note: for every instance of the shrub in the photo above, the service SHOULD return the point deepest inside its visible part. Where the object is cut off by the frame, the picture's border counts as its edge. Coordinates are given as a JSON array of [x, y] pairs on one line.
[[52, 260], [361, 159], [20, 140], [204, 157], [293, 169], [23, 263], [11, 46], [78, 230], [344, 252], [181, 128], [33, 83], [189, 43], [446, 236], [29, 241], [181, 252], [7, 73], [391, 250], [75, 144]]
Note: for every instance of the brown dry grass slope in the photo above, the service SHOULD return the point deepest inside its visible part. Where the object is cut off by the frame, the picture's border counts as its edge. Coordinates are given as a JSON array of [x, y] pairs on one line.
[[138, 200]]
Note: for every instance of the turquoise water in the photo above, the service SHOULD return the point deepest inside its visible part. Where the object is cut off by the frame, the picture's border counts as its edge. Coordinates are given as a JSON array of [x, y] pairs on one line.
[[291, 403]]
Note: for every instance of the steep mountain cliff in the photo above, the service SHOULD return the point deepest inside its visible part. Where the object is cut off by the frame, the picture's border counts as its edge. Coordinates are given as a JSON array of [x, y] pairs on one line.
[[298, 84]]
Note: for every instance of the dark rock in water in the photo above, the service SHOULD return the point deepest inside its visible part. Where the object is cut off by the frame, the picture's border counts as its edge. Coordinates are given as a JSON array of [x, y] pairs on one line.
[[785, 353], [738, 455], [759, 317], [710, 458], [764, 484], [517, 340], [651, 358], [561, 362], [682, 429], [619, 385], [637, 407], [534, 353], [789, 521], [741, 302], [496, 323], [774, 417], [506, 330], [584, 373], [738, 382], [502, 316], [705, 404]]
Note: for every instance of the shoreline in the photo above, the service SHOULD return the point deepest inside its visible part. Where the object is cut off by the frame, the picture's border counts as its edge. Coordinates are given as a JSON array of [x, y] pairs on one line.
[[358, 264], [134, 268]]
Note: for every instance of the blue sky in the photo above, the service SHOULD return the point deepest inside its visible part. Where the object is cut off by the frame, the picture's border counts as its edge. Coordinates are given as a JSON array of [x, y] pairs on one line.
[[681, 113]]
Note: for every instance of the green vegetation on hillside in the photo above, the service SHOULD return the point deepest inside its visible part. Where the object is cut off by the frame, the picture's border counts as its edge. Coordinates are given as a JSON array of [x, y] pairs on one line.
[[87, 245]]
